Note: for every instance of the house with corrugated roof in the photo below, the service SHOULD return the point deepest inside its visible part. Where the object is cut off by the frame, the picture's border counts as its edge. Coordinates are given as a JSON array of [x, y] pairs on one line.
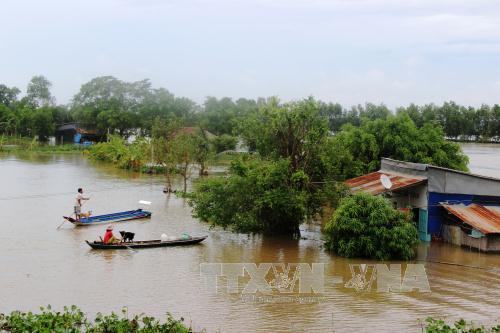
[[454, 206]]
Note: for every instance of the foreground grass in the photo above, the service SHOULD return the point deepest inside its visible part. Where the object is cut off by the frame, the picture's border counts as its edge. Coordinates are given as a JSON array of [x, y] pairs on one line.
[[73, 320], [21, 144], [460, 326]]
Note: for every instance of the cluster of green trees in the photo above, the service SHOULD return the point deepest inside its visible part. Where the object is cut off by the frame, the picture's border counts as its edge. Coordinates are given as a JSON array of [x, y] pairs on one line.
[[354, 151], [118, 107], [298, 170], [287, 181], [72, 319], [33, 115], [458, 122]]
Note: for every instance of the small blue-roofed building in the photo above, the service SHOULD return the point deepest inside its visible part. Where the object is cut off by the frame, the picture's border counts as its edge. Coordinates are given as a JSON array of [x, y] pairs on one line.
[[73, 133]]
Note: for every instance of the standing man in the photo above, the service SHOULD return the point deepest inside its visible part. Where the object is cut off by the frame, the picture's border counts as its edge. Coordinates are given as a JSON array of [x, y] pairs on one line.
[[79, 202]]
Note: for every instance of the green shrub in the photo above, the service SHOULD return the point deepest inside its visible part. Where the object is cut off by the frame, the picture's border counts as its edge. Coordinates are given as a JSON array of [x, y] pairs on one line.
[[73, 320], [224, 142], [368, 226], [460, 326]]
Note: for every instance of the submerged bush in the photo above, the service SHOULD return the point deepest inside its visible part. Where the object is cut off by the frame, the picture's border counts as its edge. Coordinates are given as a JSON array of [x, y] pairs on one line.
[[224, 142], [116, 151], [256, 197], [368, 226], [72, 319]]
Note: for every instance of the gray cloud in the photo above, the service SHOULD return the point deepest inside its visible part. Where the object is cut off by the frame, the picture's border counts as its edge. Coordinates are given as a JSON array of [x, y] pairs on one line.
[[353, 51]]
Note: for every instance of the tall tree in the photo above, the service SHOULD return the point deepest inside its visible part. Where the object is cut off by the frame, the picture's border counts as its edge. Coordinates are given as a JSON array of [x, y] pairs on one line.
[[42, 121], [110, 104], [38, 92], [183, 150]]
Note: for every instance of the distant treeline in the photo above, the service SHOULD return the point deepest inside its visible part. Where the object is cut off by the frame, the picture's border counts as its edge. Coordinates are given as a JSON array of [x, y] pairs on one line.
[[126, 108], [458, 122]]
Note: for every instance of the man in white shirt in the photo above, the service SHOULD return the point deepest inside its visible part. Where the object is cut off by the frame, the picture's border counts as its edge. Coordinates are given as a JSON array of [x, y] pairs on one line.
[[79, 202]]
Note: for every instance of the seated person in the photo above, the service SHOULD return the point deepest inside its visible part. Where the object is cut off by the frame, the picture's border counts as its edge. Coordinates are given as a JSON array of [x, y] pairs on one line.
[[109, 238]]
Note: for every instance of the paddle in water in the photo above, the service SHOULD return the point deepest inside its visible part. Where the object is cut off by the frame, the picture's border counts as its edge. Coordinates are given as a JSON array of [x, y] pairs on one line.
[[131, 249], [60, 225], [65, 218]]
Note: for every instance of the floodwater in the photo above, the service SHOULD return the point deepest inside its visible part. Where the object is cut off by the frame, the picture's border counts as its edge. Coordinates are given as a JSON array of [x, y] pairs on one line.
[[40, 265]]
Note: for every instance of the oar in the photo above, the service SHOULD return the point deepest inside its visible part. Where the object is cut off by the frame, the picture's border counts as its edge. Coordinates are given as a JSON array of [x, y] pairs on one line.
[[64, 220], [131, 249], [60, 225], [128, 247]]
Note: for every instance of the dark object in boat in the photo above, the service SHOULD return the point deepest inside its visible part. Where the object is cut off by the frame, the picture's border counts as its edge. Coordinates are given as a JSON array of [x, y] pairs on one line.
[[97, 245], [127, 236], [109, 218]]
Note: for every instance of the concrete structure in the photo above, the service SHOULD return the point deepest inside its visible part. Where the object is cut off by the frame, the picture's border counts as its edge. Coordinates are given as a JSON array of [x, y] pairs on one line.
[[430, 191]]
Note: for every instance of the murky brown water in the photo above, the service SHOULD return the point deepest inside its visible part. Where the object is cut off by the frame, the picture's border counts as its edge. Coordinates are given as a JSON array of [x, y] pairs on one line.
[[40, 265]]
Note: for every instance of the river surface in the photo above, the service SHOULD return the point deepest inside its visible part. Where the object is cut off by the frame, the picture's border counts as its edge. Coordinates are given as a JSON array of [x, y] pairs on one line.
[[40, 265]]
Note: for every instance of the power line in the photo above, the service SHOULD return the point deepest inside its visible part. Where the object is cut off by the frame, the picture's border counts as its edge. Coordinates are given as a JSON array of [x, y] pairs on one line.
[[35, 196]]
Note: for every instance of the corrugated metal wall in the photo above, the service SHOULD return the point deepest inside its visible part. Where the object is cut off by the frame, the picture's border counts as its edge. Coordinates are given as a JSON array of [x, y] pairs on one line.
[[436, 211]]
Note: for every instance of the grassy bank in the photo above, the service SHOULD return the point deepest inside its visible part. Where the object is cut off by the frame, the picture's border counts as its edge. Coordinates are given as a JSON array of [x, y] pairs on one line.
[[8, 143], [72, 319]]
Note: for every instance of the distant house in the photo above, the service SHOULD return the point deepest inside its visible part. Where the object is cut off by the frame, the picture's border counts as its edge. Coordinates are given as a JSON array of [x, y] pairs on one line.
[[457, 207], [72, 133]]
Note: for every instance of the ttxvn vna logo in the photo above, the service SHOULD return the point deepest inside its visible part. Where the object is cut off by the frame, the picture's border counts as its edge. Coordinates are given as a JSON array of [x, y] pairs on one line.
[[305, 278]]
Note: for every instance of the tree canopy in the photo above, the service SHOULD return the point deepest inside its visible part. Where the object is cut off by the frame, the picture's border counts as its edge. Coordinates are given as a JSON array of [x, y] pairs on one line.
[[288, 181], [38, 92], [358, 150], [256, 197]]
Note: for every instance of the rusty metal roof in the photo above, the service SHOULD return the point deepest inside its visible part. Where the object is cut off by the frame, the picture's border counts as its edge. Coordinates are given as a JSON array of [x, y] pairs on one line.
[[371, 183], [483, 218]]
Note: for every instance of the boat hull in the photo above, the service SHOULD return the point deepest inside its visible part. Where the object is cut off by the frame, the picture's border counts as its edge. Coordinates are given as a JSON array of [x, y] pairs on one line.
[[145, 244], [110, 218]]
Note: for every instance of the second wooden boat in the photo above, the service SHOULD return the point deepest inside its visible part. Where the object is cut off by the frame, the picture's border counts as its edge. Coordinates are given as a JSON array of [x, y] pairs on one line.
[[97, 245]]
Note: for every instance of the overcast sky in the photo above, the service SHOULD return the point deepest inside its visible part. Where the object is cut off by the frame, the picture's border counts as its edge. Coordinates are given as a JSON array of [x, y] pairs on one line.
[[346, 51]]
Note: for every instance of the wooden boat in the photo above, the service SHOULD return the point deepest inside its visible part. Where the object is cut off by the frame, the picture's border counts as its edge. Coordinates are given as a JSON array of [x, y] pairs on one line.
[[110, 218], [99, 245]]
